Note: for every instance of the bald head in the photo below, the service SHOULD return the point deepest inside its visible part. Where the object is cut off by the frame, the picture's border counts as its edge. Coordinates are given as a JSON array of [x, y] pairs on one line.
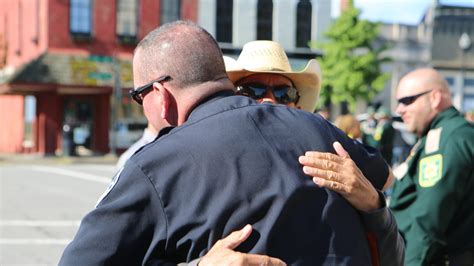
[[426, 78], [182, 50], [423, 94]]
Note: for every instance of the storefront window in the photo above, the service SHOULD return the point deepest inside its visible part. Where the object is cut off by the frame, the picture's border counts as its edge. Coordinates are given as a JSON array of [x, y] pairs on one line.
[[30, 116]]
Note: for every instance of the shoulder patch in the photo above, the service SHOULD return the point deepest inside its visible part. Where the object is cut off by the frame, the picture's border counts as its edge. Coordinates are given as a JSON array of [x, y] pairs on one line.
[[109, 187], [430, 170], [432, 140], [400, 171]]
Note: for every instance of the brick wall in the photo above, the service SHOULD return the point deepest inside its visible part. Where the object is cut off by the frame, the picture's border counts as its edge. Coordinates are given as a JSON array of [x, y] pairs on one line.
[[11, 123]]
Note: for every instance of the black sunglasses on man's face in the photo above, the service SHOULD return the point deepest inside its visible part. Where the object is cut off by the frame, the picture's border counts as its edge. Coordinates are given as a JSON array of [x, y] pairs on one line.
[[410, 99], [139, 93], [284, 94]]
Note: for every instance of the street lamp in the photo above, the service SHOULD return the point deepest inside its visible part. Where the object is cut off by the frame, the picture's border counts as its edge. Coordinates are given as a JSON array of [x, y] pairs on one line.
[[464, 44]]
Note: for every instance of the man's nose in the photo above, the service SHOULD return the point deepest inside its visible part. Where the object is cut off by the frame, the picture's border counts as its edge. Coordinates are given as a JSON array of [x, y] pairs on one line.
[[268, 97], [400, 109]]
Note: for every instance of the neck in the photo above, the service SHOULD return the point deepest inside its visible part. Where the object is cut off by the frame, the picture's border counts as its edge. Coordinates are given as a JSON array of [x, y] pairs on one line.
[[192, 96]]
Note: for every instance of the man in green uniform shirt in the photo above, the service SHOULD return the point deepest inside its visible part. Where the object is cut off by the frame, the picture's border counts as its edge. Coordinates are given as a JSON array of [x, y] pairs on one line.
[[433, 195], [384, 134]]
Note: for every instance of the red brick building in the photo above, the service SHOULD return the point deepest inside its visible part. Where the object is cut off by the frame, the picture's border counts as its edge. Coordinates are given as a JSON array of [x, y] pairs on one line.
[[73, 57]]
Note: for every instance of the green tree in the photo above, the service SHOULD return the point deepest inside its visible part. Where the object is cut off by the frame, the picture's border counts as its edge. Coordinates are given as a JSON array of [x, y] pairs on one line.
[[351, 62]]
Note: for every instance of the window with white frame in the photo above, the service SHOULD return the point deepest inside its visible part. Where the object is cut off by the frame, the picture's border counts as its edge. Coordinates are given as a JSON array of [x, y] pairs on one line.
[[80, 17], [127, 20], [170, 10]]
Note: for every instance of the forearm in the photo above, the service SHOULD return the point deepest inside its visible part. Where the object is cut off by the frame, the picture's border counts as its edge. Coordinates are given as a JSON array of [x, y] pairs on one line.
[[390, 244]]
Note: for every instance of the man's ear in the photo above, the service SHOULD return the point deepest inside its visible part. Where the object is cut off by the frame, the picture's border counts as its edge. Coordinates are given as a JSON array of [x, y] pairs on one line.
[[168, 104], [436, 98], [165, 99]]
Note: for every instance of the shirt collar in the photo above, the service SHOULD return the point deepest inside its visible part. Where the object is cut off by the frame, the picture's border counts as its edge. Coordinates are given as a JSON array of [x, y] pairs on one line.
[[164, 131], [211, 105], [446, 114]]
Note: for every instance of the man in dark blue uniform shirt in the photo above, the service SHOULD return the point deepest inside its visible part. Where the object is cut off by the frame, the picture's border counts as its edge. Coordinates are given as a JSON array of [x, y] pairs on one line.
[[230, 161]]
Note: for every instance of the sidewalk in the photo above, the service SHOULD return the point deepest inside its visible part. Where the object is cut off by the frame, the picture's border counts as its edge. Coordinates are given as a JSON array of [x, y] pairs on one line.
[[41, 159]]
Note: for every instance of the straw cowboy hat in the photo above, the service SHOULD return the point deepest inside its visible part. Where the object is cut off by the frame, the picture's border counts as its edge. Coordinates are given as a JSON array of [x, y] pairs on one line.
[[269, 57]]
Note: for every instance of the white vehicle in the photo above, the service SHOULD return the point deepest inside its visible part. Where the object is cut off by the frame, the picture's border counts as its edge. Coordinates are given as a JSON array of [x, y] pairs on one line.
[[127, 133]]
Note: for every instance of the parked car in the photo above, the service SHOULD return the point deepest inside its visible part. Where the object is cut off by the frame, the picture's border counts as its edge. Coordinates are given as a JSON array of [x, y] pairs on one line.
[[127, 132]]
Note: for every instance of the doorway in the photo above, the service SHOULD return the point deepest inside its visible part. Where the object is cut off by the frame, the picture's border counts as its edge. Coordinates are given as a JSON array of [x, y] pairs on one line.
[[77, 127]]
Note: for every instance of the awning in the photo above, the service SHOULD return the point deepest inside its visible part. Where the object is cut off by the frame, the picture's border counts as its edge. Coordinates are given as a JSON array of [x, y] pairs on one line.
[[67, 73]]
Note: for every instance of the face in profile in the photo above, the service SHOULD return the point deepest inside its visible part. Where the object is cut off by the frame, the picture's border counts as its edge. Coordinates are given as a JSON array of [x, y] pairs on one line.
[[414, 105]]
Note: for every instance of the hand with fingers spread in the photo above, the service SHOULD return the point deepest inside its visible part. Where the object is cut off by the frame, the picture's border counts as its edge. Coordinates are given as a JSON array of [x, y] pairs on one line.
[[222, 252], [340, 174]]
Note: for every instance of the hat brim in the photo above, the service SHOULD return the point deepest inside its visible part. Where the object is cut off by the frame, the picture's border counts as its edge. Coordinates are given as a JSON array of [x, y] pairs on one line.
[[306, 81]]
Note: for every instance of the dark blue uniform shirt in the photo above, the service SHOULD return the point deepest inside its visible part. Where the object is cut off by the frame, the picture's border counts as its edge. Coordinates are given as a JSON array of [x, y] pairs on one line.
[[233, 162]]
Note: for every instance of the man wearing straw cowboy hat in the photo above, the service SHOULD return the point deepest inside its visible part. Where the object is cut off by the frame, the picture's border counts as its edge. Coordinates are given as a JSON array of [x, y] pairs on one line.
[[227, 162], [263, 72], [267, 57]]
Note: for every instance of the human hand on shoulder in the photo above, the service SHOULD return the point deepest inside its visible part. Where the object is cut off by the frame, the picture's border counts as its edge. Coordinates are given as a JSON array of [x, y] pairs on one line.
[[222, 252], [340, 174]]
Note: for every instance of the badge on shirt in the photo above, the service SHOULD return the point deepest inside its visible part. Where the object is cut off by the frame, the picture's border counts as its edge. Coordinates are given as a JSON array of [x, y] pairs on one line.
[[110, 187], [430, 170], [432, 140]]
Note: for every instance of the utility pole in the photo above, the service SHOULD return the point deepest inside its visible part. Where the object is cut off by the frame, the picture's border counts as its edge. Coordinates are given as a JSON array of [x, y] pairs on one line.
[[116, 101], [464, 44]]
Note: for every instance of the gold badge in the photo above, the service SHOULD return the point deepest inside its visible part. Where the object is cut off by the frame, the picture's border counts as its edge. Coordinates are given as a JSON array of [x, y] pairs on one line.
[[430, 170], [432, 140]]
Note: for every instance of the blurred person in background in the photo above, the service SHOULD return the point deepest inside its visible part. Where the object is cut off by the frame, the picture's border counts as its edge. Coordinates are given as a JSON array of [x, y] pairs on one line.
[[469, 115], [384, 134], [324, 112], [149, 134], [433, 197], [350, 125], [368, 127]]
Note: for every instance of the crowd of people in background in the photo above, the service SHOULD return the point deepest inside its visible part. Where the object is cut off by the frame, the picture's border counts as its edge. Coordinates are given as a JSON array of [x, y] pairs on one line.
[[376, 129]]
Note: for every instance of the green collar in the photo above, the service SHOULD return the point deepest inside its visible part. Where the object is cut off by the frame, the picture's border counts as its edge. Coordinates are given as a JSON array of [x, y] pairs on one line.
[[446, 114]]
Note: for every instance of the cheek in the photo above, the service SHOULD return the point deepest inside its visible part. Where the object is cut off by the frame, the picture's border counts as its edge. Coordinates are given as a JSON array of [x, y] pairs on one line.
[[148, 109]]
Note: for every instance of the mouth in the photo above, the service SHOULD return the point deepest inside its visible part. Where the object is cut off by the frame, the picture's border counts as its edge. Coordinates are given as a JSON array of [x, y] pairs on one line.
[[405, 118]]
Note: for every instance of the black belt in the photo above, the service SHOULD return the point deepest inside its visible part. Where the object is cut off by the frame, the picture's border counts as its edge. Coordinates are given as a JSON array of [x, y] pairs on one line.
[[463, 259]]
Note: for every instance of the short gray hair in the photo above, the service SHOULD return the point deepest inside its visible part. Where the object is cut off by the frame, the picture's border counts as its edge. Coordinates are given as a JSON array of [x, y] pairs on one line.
[[182, 50]]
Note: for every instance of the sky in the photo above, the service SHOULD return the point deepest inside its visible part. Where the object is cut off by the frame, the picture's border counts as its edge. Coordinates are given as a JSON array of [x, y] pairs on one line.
[[396, 11]]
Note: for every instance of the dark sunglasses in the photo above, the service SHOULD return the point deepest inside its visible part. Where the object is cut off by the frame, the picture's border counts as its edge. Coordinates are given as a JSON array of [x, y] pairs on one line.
[[139, 93], [283, 94], [410, 99]]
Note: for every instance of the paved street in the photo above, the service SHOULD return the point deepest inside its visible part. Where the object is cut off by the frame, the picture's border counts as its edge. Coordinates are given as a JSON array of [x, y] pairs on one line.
[[41, 205]]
